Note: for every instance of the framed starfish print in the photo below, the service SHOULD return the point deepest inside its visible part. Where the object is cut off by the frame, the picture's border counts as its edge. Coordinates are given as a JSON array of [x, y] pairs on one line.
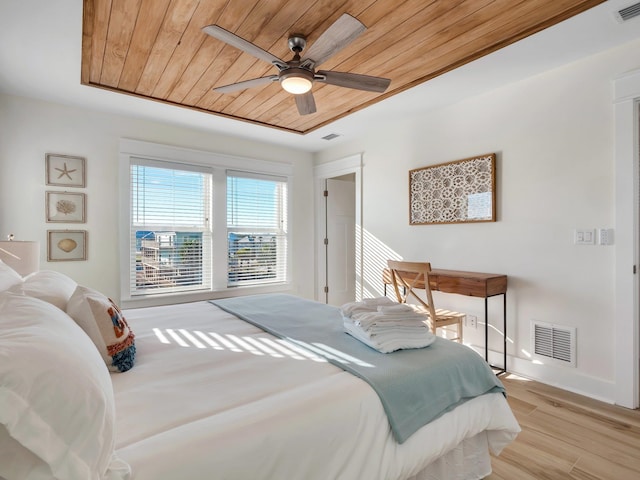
[[65, 170]]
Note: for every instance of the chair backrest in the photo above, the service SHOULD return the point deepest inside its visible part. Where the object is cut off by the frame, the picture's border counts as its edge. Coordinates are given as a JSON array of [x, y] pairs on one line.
[[411, 277]]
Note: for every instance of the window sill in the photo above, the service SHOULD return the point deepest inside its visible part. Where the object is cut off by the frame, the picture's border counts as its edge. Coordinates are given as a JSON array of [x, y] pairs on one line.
[[173, 298]]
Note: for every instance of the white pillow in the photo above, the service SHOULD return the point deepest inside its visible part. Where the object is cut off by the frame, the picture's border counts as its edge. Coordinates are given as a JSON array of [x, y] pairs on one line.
[[104, 323], [17, 461], [48, 285], [8, 277], [56, 394]]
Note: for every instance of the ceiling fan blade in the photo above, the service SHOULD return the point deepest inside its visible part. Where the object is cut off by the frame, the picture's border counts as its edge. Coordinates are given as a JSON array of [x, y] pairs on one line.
[[353, 80], [256, 82], [306, 103], [340, 34], [240, 43]]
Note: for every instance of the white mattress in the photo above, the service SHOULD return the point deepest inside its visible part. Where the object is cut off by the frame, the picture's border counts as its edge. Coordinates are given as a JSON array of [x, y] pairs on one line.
[[237, 407]]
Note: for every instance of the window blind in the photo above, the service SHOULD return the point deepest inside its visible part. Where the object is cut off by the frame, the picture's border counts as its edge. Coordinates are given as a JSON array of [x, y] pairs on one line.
[[170, 229], [256, 228]]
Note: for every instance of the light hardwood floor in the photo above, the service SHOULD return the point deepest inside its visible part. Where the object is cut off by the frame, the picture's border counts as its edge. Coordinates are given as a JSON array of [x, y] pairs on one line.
[[567, 436]]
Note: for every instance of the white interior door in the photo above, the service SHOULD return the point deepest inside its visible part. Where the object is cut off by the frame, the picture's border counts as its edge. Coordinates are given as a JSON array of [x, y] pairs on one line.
[[626, 101], [341, 240]]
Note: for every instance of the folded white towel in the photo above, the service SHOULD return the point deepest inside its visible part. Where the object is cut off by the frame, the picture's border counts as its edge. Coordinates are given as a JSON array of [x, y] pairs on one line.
[[377, 301], [389, 316], [353, 308], [381, 326], [366, 305], [367, 319], [390, 341], [398, 330], [397, 308]]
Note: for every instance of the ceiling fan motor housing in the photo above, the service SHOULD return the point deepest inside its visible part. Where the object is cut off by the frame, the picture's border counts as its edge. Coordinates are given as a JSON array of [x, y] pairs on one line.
[[297, 43]]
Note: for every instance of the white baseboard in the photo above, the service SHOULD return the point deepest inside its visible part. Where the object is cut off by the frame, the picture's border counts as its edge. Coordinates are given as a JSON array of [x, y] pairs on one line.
[[566, 378]]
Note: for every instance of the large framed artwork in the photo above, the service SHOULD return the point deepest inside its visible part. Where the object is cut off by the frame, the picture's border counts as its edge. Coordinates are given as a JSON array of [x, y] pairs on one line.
[[462, 191]]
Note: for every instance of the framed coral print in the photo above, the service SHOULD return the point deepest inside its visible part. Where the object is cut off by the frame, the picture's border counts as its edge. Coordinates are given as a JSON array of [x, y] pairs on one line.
[[65, 170], [65, 207], [461, 191], [63, 245]]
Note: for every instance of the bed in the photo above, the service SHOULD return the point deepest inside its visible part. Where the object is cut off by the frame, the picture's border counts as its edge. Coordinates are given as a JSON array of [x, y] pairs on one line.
[[213, 396]]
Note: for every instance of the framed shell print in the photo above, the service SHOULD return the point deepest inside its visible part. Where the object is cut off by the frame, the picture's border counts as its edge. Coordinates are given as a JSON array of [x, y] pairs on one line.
[[65, 245]]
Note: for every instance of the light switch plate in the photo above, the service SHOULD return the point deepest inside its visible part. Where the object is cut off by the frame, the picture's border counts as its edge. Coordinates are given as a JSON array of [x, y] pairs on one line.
[[584, 236]]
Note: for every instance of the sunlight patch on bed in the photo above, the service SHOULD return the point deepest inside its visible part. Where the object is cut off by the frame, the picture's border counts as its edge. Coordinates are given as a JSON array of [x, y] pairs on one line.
[[213, 344], [297, 349], [161, 336], [226, 343], [192, 339], [263, 348], [260, 346], [245, 345], [177, 338], [330, 353], [284, 347], [348, 358]]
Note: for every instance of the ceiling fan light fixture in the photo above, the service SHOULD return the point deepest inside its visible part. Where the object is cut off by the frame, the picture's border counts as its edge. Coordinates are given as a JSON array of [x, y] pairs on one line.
[[296, 80], [296, 85]]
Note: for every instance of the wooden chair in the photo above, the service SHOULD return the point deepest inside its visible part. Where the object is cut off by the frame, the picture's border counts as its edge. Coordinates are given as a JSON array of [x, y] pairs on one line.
[[413, 276]]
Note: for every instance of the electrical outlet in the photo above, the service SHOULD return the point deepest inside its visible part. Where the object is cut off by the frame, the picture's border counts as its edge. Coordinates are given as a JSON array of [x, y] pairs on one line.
[[471, 321]]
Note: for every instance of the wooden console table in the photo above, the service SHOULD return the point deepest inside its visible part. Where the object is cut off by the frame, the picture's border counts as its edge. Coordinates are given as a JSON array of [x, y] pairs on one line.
[[473, 284]]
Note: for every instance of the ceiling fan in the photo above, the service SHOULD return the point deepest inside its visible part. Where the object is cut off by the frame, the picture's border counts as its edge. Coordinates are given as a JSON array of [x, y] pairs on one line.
[[298, 74]]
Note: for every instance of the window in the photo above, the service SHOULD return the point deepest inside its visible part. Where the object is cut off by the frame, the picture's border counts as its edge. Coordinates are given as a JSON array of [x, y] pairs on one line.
[[170, 233], [256, 228], [196, 222]]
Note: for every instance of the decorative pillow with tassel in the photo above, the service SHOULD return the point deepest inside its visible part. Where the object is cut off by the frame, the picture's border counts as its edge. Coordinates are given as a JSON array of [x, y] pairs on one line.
[[104, 323]]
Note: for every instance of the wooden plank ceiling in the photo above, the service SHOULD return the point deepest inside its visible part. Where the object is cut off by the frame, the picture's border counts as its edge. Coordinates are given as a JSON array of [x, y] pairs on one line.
[[156, 49]]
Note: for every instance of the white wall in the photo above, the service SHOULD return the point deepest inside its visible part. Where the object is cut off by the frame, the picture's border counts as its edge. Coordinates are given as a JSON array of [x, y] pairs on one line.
[[30, 128], [554, 139]]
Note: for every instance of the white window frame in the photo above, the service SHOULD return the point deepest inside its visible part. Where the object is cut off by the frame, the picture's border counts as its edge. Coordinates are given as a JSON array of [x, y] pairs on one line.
[[219, 164], [282, 228], [204, 229]]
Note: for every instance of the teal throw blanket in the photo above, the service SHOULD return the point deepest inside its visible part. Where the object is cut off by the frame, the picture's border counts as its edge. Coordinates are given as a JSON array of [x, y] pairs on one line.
[[415, 386]]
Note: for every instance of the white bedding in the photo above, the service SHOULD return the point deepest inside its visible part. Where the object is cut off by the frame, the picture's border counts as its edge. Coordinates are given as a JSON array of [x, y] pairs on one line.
[[237, 407]]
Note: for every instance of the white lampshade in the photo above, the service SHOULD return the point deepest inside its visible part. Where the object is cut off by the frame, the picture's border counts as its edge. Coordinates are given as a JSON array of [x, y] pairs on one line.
[[23, 257]]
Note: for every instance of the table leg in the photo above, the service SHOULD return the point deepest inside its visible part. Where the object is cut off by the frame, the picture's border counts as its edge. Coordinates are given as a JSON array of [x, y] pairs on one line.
[[486, 329], [501, 369], [504, 320]]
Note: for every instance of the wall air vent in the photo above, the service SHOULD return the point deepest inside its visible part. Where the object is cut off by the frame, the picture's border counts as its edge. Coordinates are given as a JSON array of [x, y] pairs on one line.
[[331, 136], [628, 13], [554, 342]]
